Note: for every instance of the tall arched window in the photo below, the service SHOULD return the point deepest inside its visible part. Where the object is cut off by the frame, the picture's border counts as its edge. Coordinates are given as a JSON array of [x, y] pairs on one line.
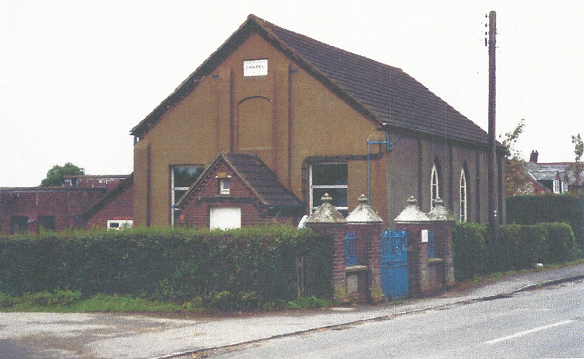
[[463, 197], [434, 186]]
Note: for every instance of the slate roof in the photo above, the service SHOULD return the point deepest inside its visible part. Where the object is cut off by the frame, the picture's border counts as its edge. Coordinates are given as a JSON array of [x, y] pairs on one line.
[[381, 93], [552, 171], [259, 178]]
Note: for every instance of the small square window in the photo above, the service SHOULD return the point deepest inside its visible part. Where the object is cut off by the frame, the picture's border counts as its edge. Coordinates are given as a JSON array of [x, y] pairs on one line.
[[224, 186], [19, 225], [47, 223], [117, 224]]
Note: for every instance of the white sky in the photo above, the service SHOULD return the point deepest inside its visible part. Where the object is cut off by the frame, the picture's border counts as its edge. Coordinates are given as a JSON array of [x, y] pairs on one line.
[[76, 76]]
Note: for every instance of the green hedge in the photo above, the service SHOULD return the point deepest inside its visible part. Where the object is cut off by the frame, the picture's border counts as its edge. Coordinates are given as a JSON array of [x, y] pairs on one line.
[[240, 268], [517, 247], [530, 209], [469, 247]]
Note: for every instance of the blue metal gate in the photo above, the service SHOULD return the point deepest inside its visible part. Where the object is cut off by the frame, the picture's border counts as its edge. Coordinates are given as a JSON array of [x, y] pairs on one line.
[[394, 263], [350, 249]]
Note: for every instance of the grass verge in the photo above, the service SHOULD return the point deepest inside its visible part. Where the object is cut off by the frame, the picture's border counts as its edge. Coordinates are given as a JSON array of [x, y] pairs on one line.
[[72, 302], [478, 279]]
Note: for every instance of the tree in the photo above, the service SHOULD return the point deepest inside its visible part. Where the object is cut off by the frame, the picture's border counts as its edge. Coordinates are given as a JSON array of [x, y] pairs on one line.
[[517, 179], [56, 174], [577, 168]]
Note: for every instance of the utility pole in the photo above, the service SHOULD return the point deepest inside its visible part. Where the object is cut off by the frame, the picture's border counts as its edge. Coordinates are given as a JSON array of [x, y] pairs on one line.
[[493, 218]]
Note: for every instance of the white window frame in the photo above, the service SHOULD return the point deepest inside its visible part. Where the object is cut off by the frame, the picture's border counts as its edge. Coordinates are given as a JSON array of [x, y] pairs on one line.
[[463, 197], [565, 186], [173, 189], [224, 186], [434, 186], [119, 224], [557, 186], [312, 186]]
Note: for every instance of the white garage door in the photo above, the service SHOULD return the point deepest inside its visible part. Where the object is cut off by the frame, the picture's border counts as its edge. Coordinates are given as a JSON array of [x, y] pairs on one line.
[[225, 218]]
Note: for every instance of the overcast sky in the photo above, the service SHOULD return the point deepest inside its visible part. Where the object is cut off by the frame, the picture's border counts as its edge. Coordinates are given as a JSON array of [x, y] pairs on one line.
[[76, 76]]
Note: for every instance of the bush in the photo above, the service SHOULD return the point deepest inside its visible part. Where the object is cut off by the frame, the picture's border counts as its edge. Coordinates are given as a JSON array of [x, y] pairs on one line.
[[521, 245], [6, 301], [561, 243], [566, 208], [240, 269], [49, 299], [469, 249], [517, 247]]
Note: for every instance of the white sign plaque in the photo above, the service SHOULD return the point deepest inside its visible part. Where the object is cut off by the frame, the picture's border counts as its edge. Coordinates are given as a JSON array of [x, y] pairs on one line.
[[255, 67], [424, 236]]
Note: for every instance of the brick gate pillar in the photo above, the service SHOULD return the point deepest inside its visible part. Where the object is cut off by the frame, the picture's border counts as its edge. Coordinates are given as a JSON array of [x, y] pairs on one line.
[[326, 219], [367, 227], [415, 222], [442, 223]]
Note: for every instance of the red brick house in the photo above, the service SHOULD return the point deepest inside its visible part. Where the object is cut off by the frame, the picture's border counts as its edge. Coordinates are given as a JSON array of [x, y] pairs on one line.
[[554, 177], [115, 210], [82, 202], [237, 190]]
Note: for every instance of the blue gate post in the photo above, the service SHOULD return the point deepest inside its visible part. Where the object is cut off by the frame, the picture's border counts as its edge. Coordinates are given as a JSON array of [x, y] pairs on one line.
[[414, 221]]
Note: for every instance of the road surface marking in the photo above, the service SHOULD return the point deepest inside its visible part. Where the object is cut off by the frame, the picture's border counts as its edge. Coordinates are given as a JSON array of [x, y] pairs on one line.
[[520, 334]]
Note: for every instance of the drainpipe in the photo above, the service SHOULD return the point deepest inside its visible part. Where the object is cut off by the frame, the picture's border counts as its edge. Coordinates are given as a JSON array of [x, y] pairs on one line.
[[388, 145]]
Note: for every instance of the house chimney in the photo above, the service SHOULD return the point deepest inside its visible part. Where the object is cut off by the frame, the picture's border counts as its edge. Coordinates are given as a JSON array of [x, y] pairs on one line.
[[533, 156]]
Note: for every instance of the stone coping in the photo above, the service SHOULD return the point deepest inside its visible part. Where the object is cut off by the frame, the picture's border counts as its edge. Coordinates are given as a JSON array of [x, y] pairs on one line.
[[356, 268]]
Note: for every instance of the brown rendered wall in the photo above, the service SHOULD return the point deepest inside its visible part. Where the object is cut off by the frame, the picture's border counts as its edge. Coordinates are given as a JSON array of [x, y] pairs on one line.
[[297, 120], [307, 120]]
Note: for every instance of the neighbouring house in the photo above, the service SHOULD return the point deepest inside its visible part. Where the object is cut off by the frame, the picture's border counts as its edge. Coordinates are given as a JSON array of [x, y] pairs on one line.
[[115, 210], [554, 177], [313, 119], [77, 204]]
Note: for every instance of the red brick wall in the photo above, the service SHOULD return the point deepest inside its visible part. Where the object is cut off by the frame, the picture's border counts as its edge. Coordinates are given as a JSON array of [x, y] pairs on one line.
[[443, 248], [196, 211], [369, 249], [417, 259], [425, 276], [122, 207], [63, 204]]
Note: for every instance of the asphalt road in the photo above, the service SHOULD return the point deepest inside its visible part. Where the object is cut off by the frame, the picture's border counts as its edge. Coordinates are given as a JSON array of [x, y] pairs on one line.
[[465, 325], [542, 323]]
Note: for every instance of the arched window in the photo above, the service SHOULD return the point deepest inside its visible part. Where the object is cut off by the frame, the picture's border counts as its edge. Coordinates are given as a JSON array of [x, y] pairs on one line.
[[463, 197], [434, 186]]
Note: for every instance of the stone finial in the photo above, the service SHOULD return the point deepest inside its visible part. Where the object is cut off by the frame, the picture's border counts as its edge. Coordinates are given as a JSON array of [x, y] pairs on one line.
[[412, 213], [439, 212], [326, 212], [363, 213]]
